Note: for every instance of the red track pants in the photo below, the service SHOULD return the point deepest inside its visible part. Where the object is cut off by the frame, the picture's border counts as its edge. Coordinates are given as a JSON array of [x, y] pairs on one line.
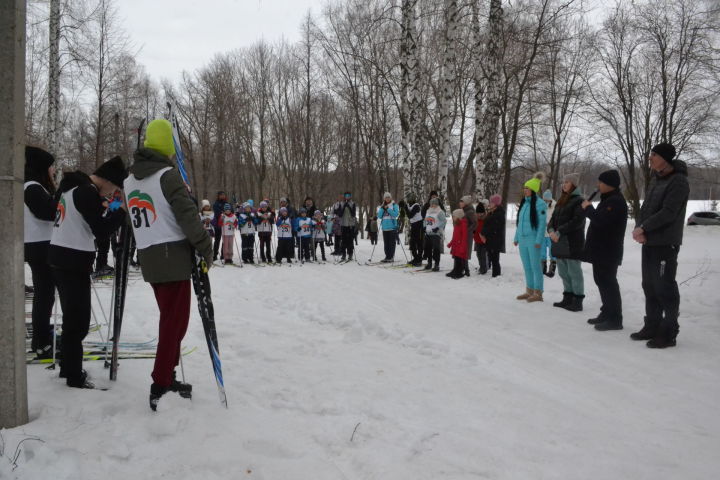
[[173, 299]]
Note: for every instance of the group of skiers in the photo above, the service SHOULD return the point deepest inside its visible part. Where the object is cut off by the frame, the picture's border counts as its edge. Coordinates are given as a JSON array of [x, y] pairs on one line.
[[64, 224]]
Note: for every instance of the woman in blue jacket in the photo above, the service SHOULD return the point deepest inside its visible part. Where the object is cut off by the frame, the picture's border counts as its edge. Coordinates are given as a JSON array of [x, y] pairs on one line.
[[529, 237], [388, 214]]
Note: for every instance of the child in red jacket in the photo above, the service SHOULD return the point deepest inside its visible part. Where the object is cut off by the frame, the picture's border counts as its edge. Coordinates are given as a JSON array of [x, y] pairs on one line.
[[459, 244]]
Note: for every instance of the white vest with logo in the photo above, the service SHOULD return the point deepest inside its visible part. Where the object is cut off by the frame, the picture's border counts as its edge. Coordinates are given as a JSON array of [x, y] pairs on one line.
[[36, 230], [150, 213], [417, 217], [70, 229]]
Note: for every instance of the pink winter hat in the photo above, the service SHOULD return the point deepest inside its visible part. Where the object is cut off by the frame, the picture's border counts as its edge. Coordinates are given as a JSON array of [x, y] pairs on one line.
[[496, 200]]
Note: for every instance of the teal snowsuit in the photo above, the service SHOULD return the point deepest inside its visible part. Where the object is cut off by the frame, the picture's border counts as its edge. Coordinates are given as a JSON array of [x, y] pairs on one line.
[[527, 237]]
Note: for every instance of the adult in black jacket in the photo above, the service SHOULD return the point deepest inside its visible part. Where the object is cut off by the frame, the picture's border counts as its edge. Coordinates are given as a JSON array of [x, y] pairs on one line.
[[346, 211], [218, 210], [472, 223], [493, 232], [660, 231], [604, 248], [413, 211], [81, 219], [568, 221], [40, 210], [310, 207]]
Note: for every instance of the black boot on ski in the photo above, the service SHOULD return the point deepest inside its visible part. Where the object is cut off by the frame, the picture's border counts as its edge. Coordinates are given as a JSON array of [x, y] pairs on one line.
[[156, 392], [81, 382], [545, 272], [429, 265], [182, 388]]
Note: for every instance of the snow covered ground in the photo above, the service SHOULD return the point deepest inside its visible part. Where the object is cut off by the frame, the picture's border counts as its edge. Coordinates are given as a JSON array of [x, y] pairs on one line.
[[357, 372]]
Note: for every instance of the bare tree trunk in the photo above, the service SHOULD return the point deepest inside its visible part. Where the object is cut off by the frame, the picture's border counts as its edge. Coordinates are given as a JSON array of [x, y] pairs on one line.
[[448, 91], [486, 137], [53, 124]]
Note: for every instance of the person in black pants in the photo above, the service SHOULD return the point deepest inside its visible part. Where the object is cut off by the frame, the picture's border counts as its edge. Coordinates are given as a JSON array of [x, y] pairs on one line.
[[345, 210], [412, 211], [80, 220], [218, 210], [604, 248], [40, 210], [493, 233], [660, 230]]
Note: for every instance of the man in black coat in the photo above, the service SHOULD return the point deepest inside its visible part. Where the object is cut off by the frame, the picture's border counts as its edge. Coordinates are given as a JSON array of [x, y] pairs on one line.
[[218, 209], [604, 248], [660, 230]]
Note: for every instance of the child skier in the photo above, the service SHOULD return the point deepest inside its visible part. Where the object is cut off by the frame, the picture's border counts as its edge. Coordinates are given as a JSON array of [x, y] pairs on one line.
[[480, 249], [318, 224], [206, 217], [228, 224], [459, 244], [372, 229], [247, 221], [434, 227], [265, 219], [305, 234], [286, 242]]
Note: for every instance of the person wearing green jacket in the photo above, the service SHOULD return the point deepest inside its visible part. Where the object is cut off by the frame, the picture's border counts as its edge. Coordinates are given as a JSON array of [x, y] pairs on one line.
[[166, 227]]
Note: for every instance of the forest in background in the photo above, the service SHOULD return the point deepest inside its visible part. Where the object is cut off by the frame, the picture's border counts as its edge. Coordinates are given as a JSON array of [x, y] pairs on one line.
[[407, 96]]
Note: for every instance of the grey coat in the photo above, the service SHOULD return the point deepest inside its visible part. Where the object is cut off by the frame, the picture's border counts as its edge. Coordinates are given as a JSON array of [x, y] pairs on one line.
[[662, 215]]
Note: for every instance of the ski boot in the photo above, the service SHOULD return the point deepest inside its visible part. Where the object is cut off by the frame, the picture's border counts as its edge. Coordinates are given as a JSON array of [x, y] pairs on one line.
[[156, 392], [182, 388]]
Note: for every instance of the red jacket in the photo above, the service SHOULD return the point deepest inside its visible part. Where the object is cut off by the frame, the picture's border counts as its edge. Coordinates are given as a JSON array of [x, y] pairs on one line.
[[459, 244], [478, 230]]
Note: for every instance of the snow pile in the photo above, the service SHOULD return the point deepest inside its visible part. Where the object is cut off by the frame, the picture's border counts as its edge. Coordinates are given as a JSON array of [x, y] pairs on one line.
[[357, 372]]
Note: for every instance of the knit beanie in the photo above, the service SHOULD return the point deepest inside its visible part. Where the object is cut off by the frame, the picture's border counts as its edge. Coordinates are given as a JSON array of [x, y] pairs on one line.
[[159, 137], [263, 204], [38, 159], [611, 178], [204, 203], [496, 200], [547, 195], [573, 178], [113, 171], [665, 150], [227, 206], [387, 195], [283, 210], [535, 183], [459, 213], [466, 199]]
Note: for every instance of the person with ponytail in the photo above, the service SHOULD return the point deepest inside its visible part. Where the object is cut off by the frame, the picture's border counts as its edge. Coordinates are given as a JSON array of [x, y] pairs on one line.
[[529, 237], [40, 211]]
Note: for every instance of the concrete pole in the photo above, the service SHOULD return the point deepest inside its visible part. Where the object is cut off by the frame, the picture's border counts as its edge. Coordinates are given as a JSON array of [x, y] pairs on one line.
[[13, 379]]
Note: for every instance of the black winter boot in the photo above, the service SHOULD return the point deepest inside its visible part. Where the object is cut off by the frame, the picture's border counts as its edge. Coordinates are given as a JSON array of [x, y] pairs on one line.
[[567, 300], [156, 392], [648, 332], [608, 325], [661, 342], [545, 272], [429, 265], [576, 303], [184, 389], [596, 320]]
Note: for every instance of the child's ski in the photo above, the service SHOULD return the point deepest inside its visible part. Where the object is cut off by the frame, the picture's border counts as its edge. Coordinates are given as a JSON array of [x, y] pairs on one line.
[[201, 281]]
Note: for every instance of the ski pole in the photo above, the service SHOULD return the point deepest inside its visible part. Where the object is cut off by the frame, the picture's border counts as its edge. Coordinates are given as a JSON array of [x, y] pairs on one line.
[[402, 247], [236, 247]]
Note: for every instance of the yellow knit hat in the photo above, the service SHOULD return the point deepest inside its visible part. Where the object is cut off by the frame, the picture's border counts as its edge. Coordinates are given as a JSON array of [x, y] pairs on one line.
[[535, 183], [159, 137]]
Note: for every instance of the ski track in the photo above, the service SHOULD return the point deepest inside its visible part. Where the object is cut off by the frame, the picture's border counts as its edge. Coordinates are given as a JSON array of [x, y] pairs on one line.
[[432, 378]]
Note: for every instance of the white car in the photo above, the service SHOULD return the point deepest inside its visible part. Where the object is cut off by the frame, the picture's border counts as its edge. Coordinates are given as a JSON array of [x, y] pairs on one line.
[[704, 218]]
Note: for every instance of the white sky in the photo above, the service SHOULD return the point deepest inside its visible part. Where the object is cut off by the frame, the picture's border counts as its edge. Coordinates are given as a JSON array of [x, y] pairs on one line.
[[177, 35]]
